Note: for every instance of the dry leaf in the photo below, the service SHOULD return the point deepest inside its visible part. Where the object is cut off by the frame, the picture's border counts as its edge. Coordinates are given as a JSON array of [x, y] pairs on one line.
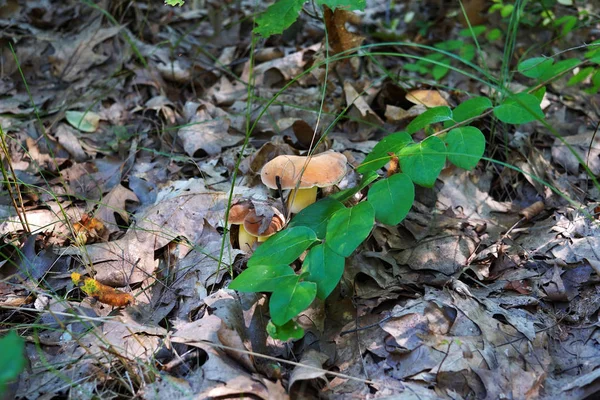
[[340, 40], [427, 97], [115, 202], [75, 55]]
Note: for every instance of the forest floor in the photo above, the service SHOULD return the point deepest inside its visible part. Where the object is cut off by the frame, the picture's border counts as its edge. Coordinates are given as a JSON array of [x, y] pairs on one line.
[[122, 124]]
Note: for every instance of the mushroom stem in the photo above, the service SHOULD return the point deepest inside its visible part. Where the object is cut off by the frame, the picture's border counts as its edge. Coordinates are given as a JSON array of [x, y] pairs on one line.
[[301, 199], [245, 239], [262, 239]]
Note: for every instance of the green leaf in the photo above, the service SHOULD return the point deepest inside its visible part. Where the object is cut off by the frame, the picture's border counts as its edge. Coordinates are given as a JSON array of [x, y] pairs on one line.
[[289, 330], [540, 93], [344, 4], [431, 116], [263, 278], [290, 300], [412, 67], [495, 7], [465, 146], [325, 268], [424, 161], [507, 10], [278, 17], [568, 22], [468, 109], [477, 30], [559, 68], [580, 76], [316, 215], [467, 52], [449, 45], [535, 67], [349, 227], [378, 157], [84, 121], [433, 57], [392, 198], [346, 194], [494, 34], [593, 55], [439, 71], [174, 2], [519, 109], [12, 360], [283, 247]]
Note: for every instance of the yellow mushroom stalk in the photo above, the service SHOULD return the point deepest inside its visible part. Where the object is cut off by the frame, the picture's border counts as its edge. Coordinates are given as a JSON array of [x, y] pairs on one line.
[[301, 198]]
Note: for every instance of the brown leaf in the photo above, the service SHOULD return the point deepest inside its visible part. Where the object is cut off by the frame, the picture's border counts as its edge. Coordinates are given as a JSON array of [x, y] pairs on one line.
[[114, 202], [340, 39], [75, 55], [473, 11], [426, 97], [313, 359], [68, 138], [207, 130], [358, 101]]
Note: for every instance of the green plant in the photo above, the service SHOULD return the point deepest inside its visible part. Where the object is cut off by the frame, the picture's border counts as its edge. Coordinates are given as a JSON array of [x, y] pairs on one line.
[[544, 69], [464, 51], [12, 360], [283, 13], [330, 231], [505, 10]]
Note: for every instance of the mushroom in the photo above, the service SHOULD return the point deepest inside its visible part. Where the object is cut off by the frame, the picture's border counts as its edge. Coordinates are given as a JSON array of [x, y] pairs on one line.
[[254, 222], [254, 227], [237, 216], [322, 170]]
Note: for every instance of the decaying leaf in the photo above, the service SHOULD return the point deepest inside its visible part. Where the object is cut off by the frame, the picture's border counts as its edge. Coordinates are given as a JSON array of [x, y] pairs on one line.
[[206, 129], [75, 54], [427, 97], [355, 99], [340, 39]]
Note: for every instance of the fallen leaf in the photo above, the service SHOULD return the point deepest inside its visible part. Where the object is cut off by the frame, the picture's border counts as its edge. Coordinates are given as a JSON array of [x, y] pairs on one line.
[[427, 97], [311, 358], [207, 129], [340, 39], [115, 202], [74, 54], [85, 121], [355, 99]]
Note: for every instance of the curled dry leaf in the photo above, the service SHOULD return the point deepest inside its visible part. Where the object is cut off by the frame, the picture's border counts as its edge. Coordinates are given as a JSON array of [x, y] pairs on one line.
[[533, 210], [340, 39]]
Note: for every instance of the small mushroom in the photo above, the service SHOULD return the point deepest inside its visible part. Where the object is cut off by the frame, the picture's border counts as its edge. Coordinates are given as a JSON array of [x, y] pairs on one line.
[[237, 216], [254, 222], [254, 227], [322, 170]]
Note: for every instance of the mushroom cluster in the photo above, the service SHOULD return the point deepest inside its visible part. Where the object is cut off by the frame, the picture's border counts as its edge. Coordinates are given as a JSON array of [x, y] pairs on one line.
[[321, 170], [255, 224]]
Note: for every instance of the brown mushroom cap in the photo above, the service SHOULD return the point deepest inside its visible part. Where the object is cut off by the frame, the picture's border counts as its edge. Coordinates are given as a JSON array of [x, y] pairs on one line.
[[253, 222], [238, 212], [323, 170]]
